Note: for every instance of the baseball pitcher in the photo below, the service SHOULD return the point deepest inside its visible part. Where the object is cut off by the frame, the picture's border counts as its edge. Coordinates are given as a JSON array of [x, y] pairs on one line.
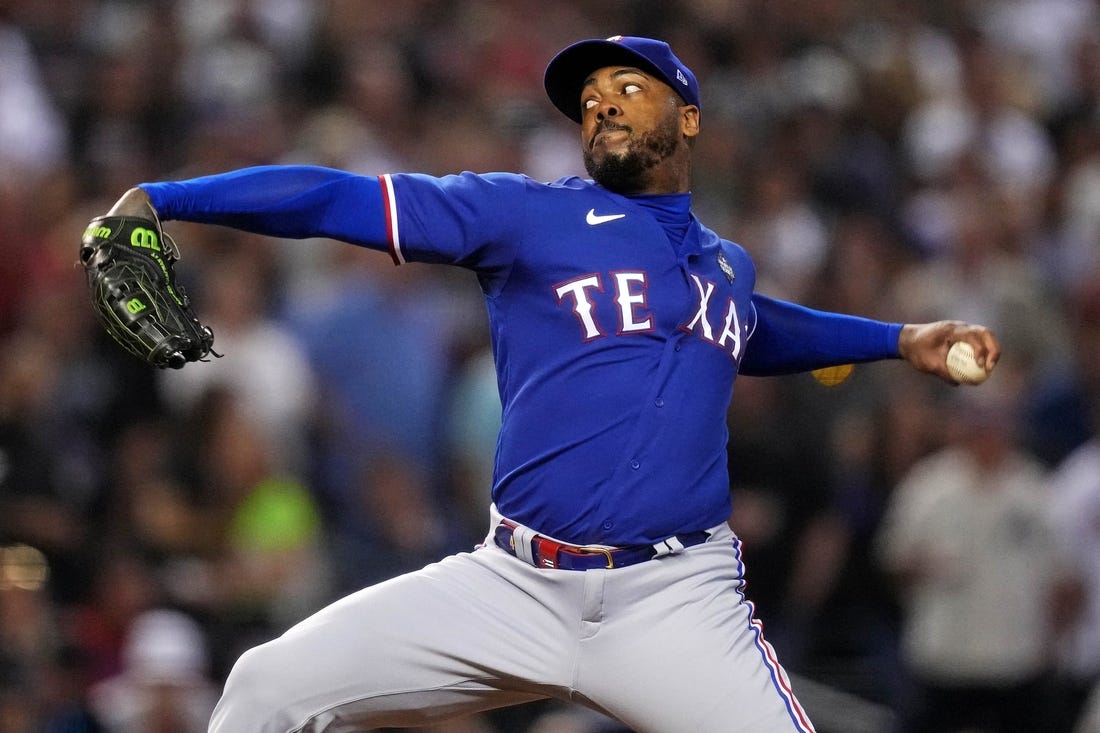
[[608, 576]]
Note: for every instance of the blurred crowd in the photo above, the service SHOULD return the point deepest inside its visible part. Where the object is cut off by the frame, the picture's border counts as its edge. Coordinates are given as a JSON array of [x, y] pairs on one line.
[[933, 550]]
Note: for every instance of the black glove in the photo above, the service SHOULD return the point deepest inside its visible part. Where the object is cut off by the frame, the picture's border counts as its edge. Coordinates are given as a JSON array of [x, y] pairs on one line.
[[128, 261]]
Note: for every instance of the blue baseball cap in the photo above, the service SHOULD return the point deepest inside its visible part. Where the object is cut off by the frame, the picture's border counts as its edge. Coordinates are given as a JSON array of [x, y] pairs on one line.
[[567, 71]]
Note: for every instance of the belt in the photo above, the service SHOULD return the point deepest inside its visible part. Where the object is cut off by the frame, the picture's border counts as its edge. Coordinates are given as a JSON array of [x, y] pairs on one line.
[[543, 552]]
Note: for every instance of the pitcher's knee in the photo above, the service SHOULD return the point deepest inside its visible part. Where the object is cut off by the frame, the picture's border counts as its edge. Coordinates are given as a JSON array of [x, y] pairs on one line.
[[257, 695]]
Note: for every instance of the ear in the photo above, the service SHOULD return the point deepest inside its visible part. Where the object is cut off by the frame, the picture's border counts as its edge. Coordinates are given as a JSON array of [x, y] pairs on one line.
[[689, 120]]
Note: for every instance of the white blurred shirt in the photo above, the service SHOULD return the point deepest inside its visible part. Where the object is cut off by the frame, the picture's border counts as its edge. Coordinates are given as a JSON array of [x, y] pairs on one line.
[[1075, 491], [987, 554]]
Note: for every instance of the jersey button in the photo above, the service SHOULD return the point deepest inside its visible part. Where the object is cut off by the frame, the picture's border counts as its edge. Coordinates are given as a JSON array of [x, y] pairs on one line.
[[635, 464], [660, 402], [608, 524], [677, 347]]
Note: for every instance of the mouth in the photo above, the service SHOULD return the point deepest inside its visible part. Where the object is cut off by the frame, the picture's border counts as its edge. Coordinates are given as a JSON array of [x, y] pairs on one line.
[[604, 130]]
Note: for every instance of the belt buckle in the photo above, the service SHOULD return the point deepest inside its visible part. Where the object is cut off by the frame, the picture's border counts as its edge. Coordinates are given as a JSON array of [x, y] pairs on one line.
[[585, 549], [547, 550]]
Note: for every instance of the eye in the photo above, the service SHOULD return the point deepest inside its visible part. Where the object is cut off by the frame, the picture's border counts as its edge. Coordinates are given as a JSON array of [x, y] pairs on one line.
[[631, 88], [589, 103]]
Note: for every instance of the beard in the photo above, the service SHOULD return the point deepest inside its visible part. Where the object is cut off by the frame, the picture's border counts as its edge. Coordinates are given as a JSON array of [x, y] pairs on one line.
[[626, 172]]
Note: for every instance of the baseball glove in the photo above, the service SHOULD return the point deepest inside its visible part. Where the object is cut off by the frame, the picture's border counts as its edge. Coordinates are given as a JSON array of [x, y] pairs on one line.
[[128, 262]]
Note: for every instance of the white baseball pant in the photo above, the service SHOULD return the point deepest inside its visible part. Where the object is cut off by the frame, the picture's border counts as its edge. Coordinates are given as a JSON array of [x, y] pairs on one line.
[[665, 646]]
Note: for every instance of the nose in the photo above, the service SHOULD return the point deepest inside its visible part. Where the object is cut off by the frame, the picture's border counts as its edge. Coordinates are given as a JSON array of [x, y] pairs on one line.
[[607, 109]]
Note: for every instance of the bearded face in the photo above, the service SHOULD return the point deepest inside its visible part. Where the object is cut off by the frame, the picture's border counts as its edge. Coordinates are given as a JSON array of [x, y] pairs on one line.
[[626, 168]]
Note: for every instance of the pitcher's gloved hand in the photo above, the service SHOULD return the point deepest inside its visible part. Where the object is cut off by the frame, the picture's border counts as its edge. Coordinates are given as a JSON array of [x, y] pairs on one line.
[[128, 262]]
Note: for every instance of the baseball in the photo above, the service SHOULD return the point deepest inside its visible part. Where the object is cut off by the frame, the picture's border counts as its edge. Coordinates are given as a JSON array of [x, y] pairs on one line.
[[962, 365]]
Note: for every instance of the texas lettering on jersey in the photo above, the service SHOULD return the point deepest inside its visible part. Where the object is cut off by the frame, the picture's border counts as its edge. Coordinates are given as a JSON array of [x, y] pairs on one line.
[[628, 290]]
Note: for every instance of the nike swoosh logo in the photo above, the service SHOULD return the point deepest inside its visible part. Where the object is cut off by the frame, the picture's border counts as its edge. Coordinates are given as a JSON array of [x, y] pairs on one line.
[[593, 218]]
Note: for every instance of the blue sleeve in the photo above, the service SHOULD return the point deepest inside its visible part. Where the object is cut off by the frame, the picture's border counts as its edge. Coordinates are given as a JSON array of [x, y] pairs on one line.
[[284, 201], [791, 338], [468, 219]]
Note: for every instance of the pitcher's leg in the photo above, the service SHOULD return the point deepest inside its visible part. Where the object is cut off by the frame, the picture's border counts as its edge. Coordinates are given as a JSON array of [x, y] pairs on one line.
[[690, 658], [418, 648]]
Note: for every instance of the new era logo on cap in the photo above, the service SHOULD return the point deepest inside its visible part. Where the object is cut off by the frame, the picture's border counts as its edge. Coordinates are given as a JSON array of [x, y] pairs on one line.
[[566, 72]]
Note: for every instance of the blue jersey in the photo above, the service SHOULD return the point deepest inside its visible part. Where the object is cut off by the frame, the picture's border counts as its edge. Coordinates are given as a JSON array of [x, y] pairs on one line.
[[616, 345], [618, 326]]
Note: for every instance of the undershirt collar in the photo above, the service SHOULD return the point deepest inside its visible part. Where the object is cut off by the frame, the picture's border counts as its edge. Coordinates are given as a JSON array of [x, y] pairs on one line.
[[671, 210]]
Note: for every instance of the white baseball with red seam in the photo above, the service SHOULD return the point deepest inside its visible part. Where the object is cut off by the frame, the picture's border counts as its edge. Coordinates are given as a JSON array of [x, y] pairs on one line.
[[963, 366]]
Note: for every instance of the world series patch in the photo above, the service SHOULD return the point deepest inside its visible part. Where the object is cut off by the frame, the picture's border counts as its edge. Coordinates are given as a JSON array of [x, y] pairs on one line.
[[724, 265]]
